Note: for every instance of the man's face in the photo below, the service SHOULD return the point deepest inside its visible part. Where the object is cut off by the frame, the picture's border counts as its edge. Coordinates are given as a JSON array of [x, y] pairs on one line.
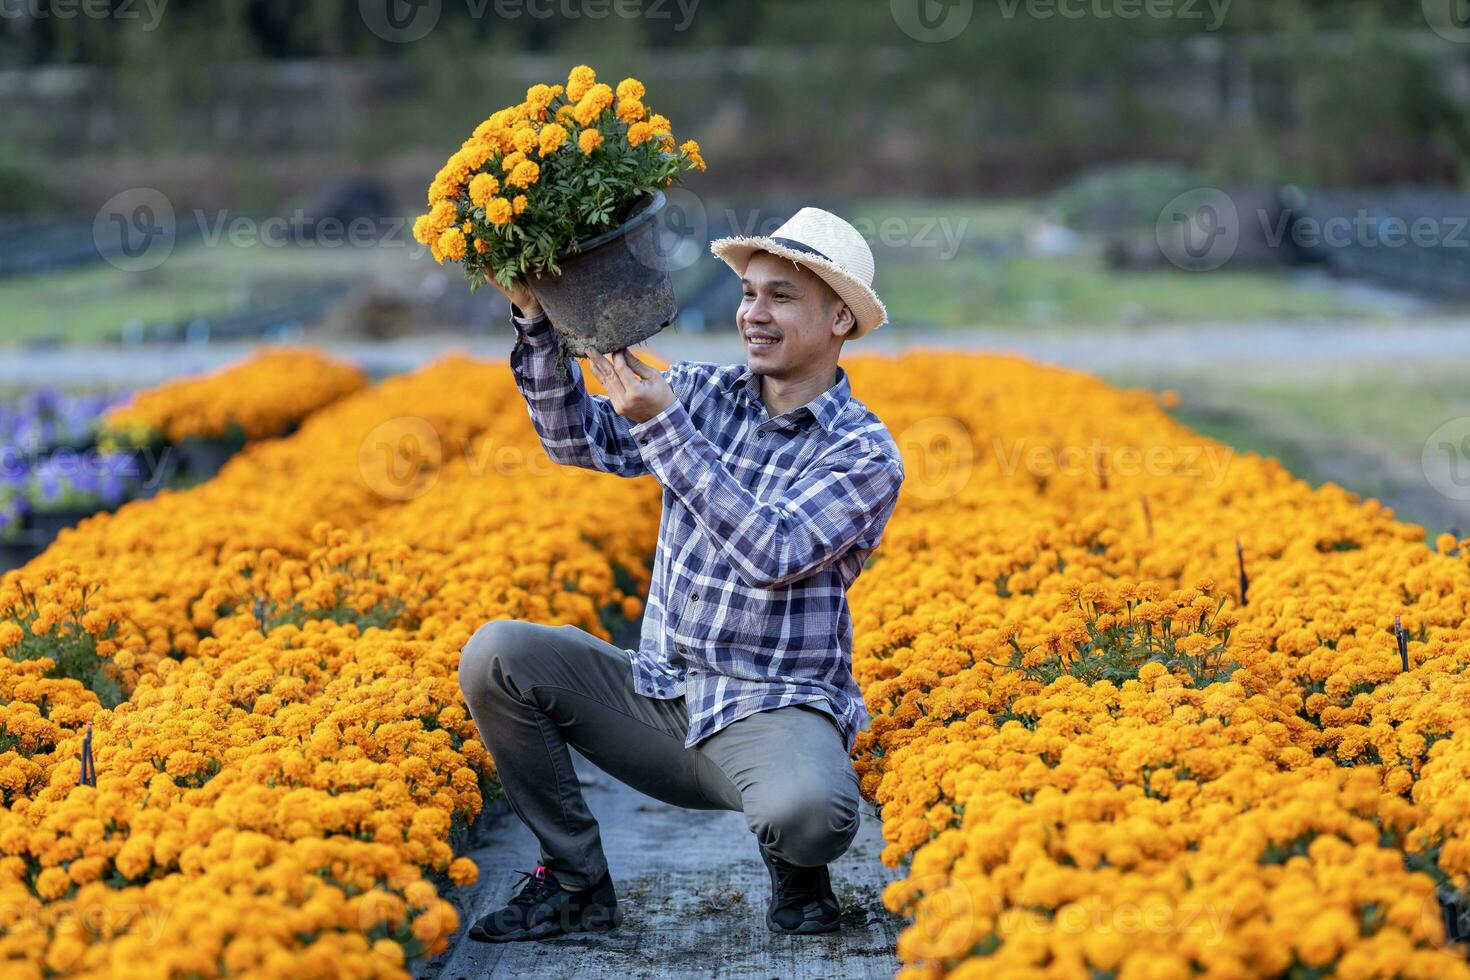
[[790, 303]]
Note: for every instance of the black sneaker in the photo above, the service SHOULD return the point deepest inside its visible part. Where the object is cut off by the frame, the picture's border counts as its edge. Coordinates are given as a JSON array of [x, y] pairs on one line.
[[802, 901], [543, 908]]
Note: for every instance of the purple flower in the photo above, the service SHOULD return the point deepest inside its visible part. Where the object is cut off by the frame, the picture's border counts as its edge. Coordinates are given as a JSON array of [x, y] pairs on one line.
[[49, 485]]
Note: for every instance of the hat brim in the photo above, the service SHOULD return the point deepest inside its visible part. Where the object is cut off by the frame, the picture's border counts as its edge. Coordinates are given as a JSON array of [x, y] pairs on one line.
[[867, 309]]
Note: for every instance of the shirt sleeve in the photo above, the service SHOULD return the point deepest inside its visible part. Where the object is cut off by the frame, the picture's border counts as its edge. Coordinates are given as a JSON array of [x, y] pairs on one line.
[[830, 507], [575, 427]]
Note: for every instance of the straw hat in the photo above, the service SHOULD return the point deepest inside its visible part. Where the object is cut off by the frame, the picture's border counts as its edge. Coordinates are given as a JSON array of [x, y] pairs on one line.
[[831, 248]]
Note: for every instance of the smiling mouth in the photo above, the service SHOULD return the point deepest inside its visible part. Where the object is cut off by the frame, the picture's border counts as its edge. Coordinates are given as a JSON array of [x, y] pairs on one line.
[[760, 343]]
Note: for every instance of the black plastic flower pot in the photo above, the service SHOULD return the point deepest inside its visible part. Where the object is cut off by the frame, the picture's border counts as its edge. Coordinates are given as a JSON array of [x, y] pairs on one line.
[[614, 290]]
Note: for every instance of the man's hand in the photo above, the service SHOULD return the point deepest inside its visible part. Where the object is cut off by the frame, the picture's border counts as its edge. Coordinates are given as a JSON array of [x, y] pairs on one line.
[[520, 294], [637, 390]]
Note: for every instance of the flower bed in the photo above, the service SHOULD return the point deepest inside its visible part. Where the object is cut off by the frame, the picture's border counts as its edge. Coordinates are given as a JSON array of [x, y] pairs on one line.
[[259, 397], [289, 758], [1092, 757]]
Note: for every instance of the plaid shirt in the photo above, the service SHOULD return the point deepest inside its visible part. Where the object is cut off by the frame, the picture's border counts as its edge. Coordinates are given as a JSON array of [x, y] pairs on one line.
[[766, 522]]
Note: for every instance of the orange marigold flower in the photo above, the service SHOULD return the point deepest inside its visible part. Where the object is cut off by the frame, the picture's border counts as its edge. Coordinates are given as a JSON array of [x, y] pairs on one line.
[[482, 188], [499, 211], [452, 243], [631, 111], [638, 133], [526, 173], [553, 136], [579, 80]]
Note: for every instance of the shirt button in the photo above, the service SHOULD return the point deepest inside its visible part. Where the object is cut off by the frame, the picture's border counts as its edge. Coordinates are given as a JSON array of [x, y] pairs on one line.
[[694, 596], [643, 439]]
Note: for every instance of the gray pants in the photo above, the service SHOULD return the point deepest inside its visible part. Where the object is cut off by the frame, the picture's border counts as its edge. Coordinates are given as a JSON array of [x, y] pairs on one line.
[[534, 689]]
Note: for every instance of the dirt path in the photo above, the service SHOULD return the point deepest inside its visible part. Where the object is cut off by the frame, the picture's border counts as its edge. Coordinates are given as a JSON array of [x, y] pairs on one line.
[[693, 891]]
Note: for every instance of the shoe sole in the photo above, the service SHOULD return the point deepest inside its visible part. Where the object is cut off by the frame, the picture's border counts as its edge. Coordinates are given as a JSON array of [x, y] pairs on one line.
[[547, 930], [805, 929]]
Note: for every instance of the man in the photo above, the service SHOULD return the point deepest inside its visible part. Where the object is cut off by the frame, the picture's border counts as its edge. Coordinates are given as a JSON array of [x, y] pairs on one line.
[[777, 486]]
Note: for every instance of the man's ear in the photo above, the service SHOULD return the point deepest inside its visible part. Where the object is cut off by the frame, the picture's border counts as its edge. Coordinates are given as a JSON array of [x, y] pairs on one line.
[[845, 317]]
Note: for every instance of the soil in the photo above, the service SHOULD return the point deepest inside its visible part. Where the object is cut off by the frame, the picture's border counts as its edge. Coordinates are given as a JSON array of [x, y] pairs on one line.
[[693, 891]]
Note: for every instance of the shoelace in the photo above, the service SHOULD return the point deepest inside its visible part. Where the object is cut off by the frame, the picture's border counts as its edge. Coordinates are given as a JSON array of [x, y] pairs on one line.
[[797, 882], [538, 885]]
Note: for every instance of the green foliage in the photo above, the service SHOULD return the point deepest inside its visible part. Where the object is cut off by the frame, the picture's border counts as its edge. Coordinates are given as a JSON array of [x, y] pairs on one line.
[[72, 649], [1116, 651], [1122, 196], [23, 188]]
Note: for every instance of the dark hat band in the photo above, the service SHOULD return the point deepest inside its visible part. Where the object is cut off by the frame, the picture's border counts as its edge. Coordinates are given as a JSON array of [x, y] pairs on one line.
[[798, 246]]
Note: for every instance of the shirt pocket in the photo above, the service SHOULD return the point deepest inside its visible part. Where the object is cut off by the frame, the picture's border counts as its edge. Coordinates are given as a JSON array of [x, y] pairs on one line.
[[708, 621]]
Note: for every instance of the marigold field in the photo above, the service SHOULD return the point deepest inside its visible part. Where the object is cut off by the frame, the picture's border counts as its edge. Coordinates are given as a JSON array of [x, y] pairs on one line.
[[1105, 743]]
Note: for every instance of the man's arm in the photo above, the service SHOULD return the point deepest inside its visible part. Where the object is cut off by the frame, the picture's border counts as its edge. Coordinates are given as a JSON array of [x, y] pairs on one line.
[[825, 511], [576, 428]]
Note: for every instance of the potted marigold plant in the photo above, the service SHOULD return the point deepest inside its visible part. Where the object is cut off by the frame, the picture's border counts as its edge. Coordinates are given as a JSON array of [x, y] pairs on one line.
[[564, 191]]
